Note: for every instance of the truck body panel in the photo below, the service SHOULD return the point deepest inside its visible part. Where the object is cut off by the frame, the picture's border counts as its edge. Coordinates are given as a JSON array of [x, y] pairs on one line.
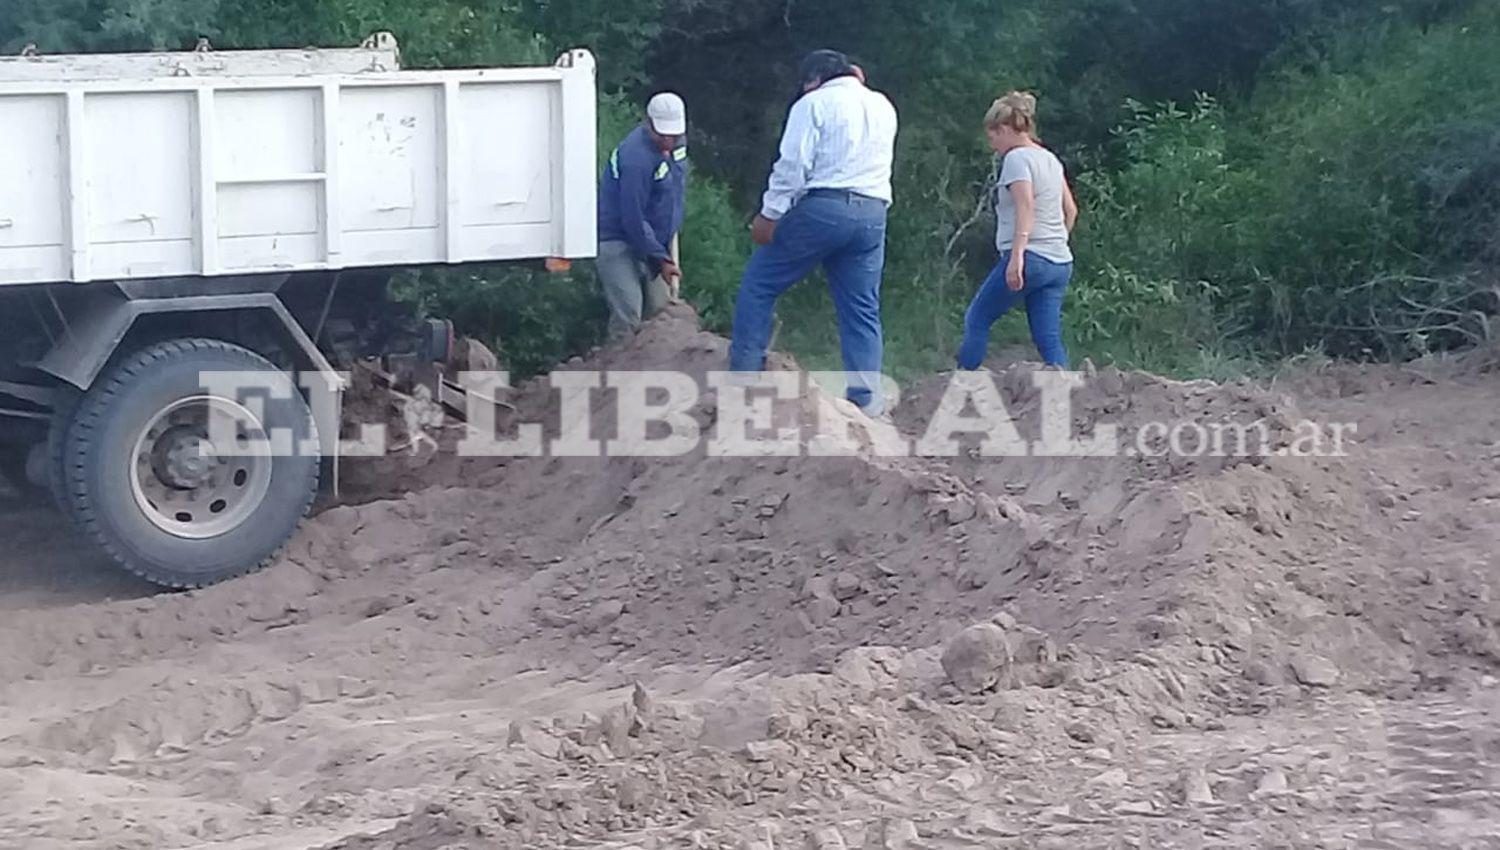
[[378, 53], [214, 176]]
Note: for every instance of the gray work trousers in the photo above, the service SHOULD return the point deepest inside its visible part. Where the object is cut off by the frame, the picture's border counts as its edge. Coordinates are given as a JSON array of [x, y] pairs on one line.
[[632, 293]]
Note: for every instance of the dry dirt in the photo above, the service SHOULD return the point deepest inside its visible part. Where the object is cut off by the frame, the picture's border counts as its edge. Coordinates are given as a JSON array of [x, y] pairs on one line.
[[840, 652]]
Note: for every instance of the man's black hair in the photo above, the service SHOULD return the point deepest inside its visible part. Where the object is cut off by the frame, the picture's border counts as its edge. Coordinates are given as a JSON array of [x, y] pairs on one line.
[[820, 66]]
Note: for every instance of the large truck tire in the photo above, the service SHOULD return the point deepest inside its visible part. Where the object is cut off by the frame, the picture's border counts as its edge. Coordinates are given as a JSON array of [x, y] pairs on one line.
[[146, 481], [57, 438]]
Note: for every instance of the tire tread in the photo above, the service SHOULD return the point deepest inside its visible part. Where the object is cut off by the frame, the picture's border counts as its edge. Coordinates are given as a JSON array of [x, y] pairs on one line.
[[87, 419]]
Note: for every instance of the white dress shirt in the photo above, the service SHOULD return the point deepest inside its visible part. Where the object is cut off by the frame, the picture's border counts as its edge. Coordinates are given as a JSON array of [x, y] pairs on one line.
[[839, 136]]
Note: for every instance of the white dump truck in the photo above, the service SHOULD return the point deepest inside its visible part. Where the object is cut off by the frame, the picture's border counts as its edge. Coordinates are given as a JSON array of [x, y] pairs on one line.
[[168, 216]]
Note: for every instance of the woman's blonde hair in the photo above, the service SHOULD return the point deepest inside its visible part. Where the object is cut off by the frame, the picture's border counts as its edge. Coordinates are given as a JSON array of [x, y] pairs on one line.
[[1016, 110]]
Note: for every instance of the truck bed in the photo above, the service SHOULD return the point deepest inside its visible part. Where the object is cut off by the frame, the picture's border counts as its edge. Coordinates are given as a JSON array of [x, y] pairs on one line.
[[212, 176]]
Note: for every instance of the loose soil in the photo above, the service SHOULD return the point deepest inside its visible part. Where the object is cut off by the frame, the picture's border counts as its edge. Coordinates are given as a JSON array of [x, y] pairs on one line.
[[850, 651]]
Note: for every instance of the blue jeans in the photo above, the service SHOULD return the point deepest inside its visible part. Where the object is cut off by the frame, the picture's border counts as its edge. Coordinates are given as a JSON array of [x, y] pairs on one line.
[[846, 233], [1046, 287]]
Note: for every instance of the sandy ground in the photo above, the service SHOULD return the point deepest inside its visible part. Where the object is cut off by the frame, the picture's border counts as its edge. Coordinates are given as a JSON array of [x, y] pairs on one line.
[[843, 652]]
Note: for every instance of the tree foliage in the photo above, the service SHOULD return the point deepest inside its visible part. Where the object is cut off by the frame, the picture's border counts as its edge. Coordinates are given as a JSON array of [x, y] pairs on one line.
[[1257, 176]]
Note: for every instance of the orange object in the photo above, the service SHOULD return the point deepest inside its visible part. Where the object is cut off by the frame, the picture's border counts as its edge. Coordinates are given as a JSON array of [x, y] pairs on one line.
[[557, 265]]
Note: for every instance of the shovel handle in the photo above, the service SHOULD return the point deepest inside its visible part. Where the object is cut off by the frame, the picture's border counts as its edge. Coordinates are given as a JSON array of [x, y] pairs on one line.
[[675, 287]]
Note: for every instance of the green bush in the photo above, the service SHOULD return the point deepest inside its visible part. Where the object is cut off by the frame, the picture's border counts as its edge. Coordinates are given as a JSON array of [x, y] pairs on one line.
[[1351, 207], [1141, 292], [715, 247], [1337, 191], [1374, 180]]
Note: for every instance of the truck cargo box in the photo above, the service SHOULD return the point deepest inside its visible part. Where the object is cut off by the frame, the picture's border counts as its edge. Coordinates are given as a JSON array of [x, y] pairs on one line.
[[173, 176]]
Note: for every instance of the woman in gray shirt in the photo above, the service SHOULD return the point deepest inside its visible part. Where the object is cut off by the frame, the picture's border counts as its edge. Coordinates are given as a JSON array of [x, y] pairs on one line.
[[1036, 216]]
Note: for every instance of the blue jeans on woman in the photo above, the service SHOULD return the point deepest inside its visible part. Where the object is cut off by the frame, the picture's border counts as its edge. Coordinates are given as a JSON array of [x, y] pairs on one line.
[[845, 233], [1046, 287]]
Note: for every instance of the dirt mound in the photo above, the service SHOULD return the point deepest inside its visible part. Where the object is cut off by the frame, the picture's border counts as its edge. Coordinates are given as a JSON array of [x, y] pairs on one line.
[[673, 343], [830, 651]]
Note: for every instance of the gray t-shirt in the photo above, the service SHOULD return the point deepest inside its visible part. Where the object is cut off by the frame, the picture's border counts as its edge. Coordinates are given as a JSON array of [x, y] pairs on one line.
[[1049, 236]]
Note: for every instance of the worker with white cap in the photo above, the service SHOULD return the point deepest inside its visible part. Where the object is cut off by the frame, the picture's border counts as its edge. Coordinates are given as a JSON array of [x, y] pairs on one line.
[[641, 206]]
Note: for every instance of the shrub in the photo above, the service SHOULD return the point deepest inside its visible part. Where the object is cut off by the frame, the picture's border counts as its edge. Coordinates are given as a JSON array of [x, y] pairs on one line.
[[1375, 191]]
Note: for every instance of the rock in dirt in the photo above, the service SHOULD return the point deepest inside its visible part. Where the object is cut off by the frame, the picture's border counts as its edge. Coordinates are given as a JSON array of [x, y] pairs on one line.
[[605, 614], [822, 609], [633, 793], [818, 587], [618, 727], [764, 751], [1314, 670], [382, 605], [1114, 779], [1264, 674], [644, 703], [1195, 788], [899, 834], [1168, 717], [984, 823], [1081, 732], [1271, 783], [542, 743], [960, 510], [828, 838], [1033, 646], [786, 725], [977, 659], [847, 586]]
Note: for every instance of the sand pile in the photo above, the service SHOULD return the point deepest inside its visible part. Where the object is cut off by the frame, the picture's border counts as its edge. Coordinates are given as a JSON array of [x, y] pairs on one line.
[[1168, 573], [856, 651], [1212, 585]]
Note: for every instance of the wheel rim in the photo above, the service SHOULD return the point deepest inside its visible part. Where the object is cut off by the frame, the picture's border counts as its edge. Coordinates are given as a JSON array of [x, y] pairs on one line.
[[185, 484]]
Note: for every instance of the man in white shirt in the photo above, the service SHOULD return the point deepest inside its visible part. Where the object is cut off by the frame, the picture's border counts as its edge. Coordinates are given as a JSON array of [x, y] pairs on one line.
[[827, 202]]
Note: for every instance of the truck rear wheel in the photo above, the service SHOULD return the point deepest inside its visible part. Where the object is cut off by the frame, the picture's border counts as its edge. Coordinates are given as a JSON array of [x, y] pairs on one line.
[[167, 477]]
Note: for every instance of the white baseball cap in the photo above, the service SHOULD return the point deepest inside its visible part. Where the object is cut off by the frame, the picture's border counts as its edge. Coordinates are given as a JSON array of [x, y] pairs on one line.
[[668, 114]]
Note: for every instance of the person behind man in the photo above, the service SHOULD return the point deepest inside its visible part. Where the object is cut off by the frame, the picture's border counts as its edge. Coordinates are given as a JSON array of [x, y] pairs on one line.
[[827, 202], [641, 208], [1037, 212]]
